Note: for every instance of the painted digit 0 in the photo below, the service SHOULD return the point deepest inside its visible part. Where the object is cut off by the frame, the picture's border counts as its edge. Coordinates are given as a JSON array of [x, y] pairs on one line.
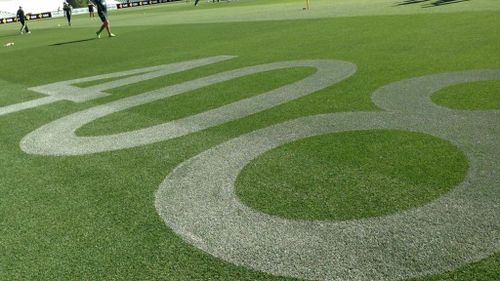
[[58, 137]]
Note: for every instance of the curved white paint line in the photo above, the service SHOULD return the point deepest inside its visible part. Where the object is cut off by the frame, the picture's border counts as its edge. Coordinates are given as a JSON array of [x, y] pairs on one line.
[[58, 137], [414, 95], [197, 200]]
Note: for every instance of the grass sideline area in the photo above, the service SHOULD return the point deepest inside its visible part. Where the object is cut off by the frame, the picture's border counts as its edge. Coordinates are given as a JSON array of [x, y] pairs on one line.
[[93, 217]]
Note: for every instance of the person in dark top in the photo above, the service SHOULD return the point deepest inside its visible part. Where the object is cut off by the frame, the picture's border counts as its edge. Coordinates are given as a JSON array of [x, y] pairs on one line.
[[22, 19], [196, 2], [68, 10], [91, 10], [102, 12]]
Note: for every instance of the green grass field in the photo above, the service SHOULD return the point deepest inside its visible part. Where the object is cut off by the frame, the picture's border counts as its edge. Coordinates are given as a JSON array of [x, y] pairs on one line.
[[92, 216]]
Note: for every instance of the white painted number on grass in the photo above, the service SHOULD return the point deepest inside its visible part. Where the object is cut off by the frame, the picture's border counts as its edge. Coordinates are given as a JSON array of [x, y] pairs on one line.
[[66, 90], [58, 137], [198, 201]]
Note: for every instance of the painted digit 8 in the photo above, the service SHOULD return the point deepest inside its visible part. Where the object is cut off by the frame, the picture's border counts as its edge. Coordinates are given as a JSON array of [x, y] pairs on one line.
[[198, 201]]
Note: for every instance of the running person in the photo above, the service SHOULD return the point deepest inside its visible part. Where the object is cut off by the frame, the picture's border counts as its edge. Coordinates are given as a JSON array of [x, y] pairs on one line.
[[91, 9], [22, 19], [68, 10], [102, 11]]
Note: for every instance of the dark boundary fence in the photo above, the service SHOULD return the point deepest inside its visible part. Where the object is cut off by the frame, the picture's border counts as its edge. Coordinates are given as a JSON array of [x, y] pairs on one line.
[[28, 17], [133, 4]]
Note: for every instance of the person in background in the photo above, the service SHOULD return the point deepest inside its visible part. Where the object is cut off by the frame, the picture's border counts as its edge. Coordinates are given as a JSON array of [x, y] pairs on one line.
[[22, 19], [91, 9], [68, 10], [102, 12]]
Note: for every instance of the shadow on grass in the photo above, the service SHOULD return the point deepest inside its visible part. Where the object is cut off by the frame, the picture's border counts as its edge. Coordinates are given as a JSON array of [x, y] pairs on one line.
[[430, 3], [408, 2], [72, 42], [443, 2]]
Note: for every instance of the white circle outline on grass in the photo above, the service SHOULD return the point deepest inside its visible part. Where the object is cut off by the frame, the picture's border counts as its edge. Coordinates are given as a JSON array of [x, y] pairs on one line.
[[59, 138], [197, 200]]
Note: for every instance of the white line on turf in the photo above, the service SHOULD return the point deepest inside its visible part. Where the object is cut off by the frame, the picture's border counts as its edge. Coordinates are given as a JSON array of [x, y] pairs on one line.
[[59, 138], [66, 91], [4, 110], [198, 200]]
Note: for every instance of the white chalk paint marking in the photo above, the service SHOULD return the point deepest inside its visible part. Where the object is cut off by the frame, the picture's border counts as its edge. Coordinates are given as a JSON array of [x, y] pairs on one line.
[[198, 199], [58, 137], [66, 91], [4, 110]]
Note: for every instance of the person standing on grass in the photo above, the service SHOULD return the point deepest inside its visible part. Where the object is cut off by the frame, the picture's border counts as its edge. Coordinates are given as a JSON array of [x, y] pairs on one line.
[[196, 2], [102, 12], [22, 19], [68, 10], [91, 9]]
